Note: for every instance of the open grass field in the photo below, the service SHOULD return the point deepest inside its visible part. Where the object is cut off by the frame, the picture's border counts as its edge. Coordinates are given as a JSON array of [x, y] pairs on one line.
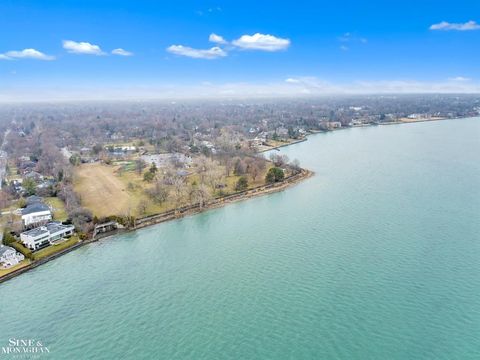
[[101, 190], [106, 191]]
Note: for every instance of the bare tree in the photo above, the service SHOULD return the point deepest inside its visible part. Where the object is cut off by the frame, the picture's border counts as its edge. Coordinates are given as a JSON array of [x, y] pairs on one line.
[[159, 193], [142, 207], [139, 165], [179, 190], [199, 194]]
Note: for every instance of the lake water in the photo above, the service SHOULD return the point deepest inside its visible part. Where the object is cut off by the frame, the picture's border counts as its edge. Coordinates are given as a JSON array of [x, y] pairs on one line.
[[375, 257]]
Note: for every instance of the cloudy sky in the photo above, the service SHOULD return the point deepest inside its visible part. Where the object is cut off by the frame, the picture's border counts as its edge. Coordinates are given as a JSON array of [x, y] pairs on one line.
[[71, 49]]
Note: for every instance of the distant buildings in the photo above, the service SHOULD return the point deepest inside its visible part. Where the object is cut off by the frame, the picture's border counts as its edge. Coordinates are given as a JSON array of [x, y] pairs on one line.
[[43, 236], [9, 257], [282, 133], [256, 143], [164, 160], [334, 125], [356, 122], [209, 146]]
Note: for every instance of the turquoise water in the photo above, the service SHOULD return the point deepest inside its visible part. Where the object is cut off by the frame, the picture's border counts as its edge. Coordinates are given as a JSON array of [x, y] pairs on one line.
[[375, 257]]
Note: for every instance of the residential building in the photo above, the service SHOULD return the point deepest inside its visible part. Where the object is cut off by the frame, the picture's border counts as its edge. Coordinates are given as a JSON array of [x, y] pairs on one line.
[[334, 125], [255, 143], [9, 257], [36, 213], [164, 160], [43, 236]]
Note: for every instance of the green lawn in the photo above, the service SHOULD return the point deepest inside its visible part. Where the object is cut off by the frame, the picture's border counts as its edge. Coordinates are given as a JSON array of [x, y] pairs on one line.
[[59, 212], [22, 263], [127, 165], [52, 249]]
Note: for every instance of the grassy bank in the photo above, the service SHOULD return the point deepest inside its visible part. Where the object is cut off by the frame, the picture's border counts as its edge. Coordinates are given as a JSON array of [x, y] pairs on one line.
[[106, 190], [53, 249], [20, 265]]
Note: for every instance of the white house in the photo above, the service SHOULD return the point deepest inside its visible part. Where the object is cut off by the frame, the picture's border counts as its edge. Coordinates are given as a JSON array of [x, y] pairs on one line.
[[57, 230], [36, 238], [35, 214], [9, 257], [45, 235]]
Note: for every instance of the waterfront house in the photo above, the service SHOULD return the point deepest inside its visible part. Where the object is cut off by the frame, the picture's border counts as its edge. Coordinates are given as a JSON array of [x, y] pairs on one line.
[[36, 213], [9, 257], [334, 125], [58, 231], [255, 143], [43, 236]]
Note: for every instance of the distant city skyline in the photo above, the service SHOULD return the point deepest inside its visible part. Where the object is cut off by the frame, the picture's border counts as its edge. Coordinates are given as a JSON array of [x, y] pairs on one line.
[[81, 50]]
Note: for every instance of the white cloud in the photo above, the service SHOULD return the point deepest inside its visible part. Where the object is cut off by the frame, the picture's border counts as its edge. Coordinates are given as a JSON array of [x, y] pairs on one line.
[[349, 37], [208, 11], [217, 39], [312, 84], [292, 81], [444, 25], [212, 53], [344, 48], [26, 54], [459, 78], [261, 42], [82, 48], [121, 52]]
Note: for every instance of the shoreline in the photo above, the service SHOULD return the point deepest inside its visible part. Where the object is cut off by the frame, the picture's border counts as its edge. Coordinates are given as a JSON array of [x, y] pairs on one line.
[[315, 132], [216, 203], [221, 202], [286, 144], [172, 215]]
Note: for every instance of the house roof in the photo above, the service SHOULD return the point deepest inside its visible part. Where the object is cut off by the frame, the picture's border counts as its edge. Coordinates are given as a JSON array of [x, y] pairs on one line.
[[36, 232], [50, 228], [4, 249], [34, 199], [55, 227], [34, 208]]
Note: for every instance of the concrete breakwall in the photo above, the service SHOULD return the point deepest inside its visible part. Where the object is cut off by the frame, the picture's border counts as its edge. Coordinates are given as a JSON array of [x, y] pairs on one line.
[[36, 263], [215, 203], [170, 215]]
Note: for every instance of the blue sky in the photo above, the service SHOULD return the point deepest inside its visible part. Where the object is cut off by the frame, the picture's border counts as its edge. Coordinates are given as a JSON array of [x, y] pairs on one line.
[[262, 48]]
